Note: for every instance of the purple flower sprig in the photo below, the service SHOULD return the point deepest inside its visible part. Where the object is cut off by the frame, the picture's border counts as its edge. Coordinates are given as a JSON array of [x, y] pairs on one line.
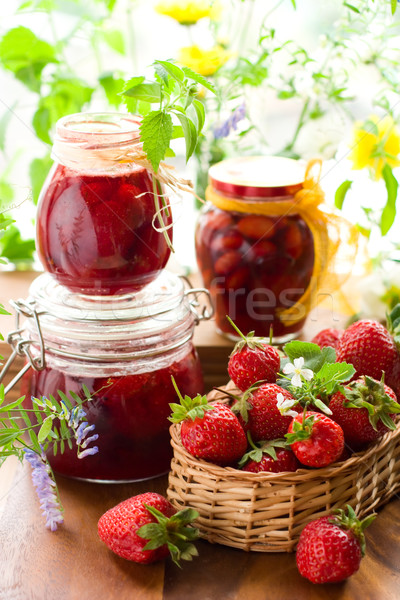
[[75, 419], [43, 480], [222, 130]]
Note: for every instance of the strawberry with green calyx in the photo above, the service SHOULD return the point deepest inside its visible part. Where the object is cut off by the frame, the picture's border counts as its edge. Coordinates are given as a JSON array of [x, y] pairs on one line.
[[330, 548], [252, 360], [316, 440], [258, 411], [273, 456], [364, 409], [210, 432], [373, 348], [147, 528]]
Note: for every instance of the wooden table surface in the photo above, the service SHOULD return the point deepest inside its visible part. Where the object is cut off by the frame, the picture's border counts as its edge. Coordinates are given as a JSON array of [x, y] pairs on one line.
[[73, 564]]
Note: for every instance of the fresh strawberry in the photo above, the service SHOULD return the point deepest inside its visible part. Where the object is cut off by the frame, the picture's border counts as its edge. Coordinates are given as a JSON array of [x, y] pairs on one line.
[[316, 440], [252, 360], [328, 337], [330, 548], [370, 348], [147, 528], [364, 410], [256, 227], [269, 456], [211, 432], [259, 414]]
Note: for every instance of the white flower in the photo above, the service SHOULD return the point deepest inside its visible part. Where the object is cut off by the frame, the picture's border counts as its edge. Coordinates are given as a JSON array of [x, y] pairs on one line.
[[284, 406], [298, 372]]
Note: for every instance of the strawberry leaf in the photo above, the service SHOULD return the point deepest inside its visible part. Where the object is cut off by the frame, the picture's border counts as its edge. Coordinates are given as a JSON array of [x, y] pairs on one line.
[[156, 134]]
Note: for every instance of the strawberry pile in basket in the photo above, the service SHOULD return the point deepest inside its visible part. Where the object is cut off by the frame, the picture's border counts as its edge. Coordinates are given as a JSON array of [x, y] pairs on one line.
[[309, 406]]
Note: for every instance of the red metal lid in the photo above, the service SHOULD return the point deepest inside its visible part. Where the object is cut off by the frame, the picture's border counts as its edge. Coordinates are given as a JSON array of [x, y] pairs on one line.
[[258, 176]]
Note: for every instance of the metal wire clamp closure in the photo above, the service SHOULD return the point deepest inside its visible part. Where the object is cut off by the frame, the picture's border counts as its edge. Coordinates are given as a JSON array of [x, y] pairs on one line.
[[21, 345], [207, 310]]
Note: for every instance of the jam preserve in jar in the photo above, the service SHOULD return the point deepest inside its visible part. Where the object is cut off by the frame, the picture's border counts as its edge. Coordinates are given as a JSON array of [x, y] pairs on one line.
[[254, 249], [95, 230], [125, 351]]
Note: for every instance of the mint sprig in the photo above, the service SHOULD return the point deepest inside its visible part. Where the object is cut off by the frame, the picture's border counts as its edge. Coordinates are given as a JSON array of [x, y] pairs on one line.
[[174, 91]]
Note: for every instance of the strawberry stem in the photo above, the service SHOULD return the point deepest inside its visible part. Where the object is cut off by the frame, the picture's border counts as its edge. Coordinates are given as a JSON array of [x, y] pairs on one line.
[[236, 328]]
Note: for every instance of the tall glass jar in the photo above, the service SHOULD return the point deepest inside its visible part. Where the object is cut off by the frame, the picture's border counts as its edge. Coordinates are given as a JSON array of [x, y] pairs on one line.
[[94, 224], [255, 246], [125, 350]]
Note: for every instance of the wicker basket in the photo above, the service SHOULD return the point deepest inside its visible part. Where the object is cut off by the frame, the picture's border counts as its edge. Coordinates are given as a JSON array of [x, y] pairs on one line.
[[267, 512]]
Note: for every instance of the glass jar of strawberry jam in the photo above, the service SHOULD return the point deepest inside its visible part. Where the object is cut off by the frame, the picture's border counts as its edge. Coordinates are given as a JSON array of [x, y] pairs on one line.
[[125, 350], [256, 241], [95, 230]]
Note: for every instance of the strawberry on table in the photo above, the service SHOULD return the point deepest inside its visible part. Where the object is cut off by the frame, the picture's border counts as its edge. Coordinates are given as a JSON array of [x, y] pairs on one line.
[[252, 360], [330, 548], [211, 432], [147, 528], [364, 409], [258, 411], [316, 440], [273, 456]]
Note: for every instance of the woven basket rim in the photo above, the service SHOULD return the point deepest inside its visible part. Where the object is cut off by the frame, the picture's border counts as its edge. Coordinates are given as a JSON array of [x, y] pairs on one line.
[[351, 463]]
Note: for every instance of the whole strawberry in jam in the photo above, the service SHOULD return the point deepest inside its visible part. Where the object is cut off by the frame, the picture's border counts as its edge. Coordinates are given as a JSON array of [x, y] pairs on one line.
[[316, 440], [147, 528], [252, 360], [258, 411], [328, 337], [211, 432], [364, 410], [371, 349], [330, 548], [274, 456]]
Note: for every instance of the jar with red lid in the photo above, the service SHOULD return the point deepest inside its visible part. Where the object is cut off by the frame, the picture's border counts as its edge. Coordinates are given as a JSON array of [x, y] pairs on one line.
[[256, 241], [95, 230], [124, 350]]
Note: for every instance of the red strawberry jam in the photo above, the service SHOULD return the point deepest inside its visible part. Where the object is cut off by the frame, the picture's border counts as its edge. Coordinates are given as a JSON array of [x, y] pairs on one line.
[[265, 265], [95, 232], [130, 415]]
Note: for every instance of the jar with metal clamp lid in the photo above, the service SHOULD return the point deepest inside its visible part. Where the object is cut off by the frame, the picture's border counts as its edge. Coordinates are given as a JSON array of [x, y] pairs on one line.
[[125, 349]]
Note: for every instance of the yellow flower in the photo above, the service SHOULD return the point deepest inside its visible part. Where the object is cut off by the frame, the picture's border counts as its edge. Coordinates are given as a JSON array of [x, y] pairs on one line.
[[205, 62], [375, 143], [188, 12]]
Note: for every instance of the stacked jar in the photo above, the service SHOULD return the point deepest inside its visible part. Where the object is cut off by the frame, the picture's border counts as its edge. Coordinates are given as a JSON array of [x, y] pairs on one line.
[[262, 244], [111, 318]]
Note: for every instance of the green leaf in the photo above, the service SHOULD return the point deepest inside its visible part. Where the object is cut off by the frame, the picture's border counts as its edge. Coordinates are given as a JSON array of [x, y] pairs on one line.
[[393, 5], [23, 53], [389, 211], [341, 192], [112, 86], [199, 79], [6, 194], [45, 429], [201, 114], [156, 134], [351, 7], [38, 171], [42, 123], [333, 373], [114, 39], [148, 92], [296, 348], [13, 247], [190, 133], [173, 70]]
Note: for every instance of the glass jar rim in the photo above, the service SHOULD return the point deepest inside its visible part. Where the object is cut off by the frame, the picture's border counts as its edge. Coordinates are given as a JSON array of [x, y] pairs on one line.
[[258, 176], [99, 127]]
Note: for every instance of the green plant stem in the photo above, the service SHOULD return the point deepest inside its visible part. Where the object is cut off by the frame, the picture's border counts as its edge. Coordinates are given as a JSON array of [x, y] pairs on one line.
[[300, 124]]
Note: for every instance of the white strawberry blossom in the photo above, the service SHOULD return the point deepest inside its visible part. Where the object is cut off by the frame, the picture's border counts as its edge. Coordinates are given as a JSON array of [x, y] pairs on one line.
[[296, 370], [284, 405]]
